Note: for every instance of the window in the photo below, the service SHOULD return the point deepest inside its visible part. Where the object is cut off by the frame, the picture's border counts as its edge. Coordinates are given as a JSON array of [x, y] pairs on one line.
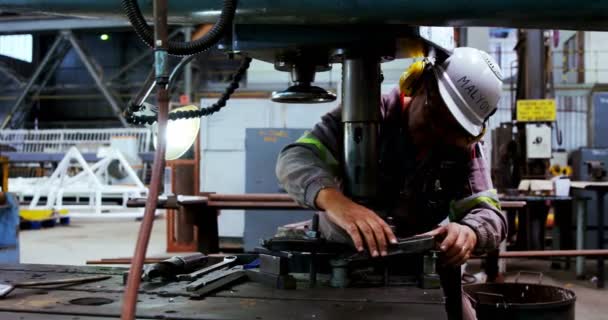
[[17, 46]]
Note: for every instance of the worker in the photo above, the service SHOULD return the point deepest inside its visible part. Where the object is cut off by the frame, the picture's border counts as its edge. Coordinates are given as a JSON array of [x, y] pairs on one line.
[[431, 160]]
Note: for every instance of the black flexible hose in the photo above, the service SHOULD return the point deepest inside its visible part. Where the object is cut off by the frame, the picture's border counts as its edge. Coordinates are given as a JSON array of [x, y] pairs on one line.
[[146, 33], [217, 106]]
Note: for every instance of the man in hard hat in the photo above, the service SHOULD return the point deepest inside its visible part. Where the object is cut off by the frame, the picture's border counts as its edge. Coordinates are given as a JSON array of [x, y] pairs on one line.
[[432, 165]]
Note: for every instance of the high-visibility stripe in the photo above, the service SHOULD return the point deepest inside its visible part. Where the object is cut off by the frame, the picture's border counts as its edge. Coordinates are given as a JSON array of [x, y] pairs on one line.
[[458, 209], [325, 154]]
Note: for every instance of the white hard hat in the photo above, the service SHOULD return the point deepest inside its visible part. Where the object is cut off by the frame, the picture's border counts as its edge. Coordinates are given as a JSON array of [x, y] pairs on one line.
[[470, 83]]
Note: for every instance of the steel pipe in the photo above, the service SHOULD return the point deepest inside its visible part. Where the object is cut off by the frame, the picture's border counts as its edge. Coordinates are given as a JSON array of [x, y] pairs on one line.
[[133, 282], [551, 253], [360, 117], [542, 14], [250, 197]]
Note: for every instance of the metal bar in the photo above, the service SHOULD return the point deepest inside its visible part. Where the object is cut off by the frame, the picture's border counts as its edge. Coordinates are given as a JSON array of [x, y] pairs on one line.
[[581, 225], [550, 254], [32, 80], [114, 261], [62, 281], [600, 236], [11, 74], [88, 63], [254, 205], [545, 14], [250, 197], [143, 93], [187, 31], [46, 24]]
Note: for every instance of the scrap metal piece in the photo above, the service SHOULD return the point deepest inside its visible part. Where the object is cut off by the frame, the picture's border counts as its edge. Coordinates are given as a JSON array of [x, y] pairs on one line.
[[229, 279], [273, 265], [212, 277], [227, 262], [5, 289], [170, 268]]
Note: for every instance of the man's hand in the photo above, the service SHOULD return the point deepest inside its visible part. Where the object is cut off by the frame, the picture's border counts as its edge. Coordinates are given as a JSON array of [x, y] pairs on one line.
[[357, 221], [458, 242]]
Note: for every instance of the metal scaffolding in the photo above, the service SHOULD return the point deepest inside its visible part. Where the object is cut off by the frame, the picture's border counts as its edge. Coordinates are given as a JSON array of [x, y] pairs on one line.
[[53, 58]]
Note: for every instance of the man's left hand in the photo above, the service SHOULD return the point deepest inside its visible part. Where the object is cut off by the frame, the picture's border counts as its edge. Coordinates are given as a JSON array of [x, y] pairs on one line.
[[458, 242]]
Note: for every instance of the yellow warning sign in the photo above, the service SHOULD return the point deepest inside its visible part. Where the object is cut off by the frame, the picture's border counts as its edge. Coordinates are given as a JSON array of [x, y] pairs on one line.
[[536, 110]]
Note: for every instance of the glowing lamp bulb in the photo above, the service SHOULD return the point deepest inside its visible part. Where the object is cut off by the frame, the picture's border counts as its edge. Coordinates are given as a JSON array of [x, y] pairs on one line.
[[181, 134]]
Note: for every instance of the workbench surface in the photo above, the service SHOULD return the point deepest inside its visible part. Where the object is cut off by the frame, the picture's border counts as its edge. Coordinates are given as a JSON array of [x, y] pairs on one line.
[[248, 300]]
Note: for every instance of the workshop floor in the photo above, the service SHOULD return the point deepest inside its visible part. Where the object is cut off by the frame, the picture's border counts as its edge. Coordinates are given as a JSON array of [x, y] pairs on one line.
[[88, 240]]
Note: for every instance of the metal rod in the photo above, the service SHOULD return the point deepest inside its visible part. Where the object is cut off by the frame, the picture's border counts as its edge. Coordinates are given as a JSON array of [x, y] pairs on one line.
[[550, 253], [86, 60], [250, 197], [188, 68], [600, 236], [62, 281], [132, 288], [253, 204], [32, 80], [143, 94], [11, 74], [581, 225], [123, 261]]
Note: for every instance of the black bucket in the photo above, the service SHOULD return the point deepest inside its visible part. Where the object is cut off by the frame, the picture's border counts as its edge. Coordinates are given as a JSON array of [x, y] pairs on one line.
[[510, 301]]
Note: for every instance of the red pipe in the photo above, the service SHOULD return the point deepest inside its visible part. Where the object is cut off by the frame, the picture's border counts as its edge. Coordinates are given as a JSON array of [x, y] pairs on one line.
[[132, 288], [254, 205], [250, 197]]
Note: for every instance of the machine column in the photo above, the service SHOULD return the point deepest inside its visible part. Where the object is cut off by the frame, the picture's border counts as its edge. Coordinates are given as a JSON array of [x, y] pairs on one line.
[[360, 117]]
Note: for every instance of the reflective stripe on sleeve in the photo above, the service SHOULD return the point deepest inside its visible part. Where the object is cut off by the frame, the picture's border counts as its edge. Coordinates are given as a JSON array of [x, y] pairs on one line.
[[458, 209]]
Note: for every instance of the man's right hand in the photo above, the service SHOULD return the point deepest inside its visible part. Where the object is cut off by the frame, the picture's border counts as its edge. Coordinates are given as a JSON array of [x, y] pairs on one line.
[[358, 221]]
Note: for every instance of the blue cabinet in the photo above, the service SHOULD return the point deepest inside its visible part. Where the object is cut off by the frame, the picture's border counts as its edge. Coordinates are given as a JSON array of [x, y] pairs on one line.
[[262, 147], [9, 231]]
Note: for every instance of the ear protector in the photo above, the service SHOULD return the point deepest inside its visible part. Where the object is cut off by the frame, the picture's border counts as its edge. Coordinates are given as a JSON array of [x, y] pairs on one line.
[[410, 79]]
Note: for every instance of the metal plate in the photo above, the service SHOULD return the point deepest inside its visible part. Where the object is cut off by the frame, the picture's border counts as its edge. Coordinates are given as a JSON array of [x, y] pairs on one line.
[[245, 301]]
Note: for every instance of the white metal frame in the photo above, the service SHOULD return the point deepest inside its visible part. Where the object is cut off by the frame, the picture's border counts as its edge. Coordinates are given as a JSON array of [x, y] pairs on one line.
[[92, 181], [32, 141]]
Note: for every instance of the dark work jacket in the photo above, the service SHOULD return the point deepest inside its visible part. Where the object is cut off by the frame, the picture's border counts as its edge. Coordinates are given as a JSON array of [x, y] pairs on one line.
[[417, 193]]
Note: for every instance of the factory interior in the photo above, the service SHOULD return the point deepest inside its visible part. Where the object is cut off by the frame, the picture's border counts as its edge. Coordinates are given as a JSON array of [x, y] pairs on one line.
[[303, 159]]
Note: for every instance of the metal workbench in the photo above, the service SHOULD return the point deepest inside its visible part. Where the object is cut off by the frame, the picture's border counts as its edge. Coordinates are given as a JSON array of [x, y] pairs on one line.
[[248, 300]]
